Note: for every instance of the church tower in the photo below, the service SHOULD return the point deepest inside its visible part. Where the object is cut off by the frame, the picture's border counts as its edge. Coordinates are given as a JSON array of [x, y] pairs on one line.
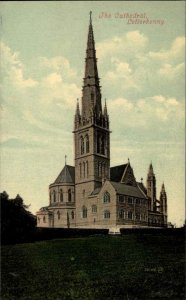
[[151, 188], [163, 203], [91, 132]]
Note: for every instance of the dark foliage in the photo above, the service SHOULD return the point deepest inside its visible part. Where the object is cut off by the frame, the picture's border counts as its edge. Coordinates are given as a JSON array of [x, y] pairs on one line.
[[17, 223], [58, 233]]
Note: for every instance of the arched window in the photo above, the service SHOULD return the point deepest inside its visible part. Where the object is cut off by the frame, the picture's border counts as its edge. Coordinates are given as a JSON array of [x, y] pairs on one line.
[[99, 169], [38, 220], [44, 219], [54, 196], [103, 170], [137, 216], [92, 96], [84, 212], [82, 145], [87, 168], [58, 215], [83, 194], [69, 195], [121, 214], [61, 196], [94, 208], [106, 197], [98, 143], [72, 215], [84, 169], [130, 200], [87, 143], [103, 145], [130, 215], [50, 197], [80, 171], [106, 214]]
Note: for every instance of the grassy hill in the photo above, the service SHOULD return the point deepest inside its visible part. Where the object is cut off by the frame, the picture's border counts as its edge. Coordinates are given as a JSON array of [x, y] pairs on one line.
[[102, 267]]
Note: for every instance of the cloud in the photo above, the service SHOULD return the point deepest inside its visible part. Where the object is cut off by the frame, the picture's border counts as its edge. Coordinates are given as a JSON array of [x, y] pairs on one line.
[[176, 50], [52, 79], [59, 64], [121, 103], [36, 112], [132, 41], [13, 68], [147, 112], [121, 71], [170, 72]]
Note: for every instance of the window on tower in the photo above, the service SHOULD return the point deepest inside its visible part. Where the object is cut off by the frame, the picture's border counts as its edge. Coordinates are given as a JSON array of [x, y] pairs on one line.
[[61, 196], [87, 143], [82, 145], [103, 145], [92, 96], [69, 195], [83, 169], [54, 196], [98, 143], [80, 170], [99, 169], [87, 168]]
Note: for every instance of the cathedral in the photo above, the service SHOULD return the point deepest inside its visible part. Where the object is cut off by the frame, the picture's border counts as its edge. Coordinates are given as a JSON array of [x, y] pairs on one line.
[[92, 194]]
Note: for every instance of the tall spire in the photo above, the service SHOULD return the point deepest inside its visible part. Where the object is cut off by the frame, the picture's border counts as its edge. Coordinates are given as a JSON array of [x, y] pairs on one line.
[[151, 169], [163, 189], [163, 202], [77, 108], [91, 99], [105, 108], [151, 187], [90, 13]]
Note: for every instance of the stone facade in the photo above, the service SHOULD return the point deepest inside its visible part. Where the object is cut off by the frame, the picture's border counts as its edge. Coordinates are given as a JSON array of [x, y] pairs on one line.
[[91, 194]]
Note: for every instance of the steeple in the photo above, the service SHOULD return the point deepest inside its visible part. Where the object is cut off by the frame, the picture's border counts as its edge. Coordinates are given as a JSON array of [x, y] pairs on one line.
[[163, 189], [151, 187], [91, 131], [77, 108], [151, 171], [163, 203], [91, 98], [105, 109]]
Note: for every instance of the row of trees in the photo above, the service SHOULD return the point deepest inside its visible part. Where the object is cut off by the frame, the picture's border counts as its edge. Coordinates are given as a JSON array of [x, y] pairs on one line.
[[17, 223]]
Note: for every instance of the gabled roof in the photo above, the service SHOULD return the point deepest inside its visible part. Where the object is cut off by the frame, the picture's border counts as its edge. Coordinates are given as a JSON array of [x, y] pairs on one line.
[[67, 175], [128, 190], [116, 172], [142, 187]]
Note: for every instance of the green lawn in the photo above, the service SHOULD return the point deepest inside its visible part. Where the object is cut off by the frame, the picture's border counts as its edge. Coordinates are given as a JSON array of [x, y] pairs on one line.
[[106, 267]]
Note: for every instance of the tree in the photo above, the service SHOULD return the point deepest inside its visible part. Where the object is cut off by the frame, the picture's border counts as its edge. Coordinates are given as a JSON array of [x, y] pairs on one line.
[[17, 223]]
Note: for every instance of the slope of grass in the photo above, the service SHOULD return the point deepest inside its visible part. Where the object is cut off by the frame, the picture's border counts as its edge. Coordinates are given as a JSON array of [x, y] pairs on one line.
[[122, 267]]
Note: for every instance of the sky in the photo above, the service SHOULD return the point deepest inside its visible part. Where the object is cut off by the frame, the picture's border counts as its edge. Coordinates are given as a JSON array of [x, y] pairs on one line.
[[140, 50]]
